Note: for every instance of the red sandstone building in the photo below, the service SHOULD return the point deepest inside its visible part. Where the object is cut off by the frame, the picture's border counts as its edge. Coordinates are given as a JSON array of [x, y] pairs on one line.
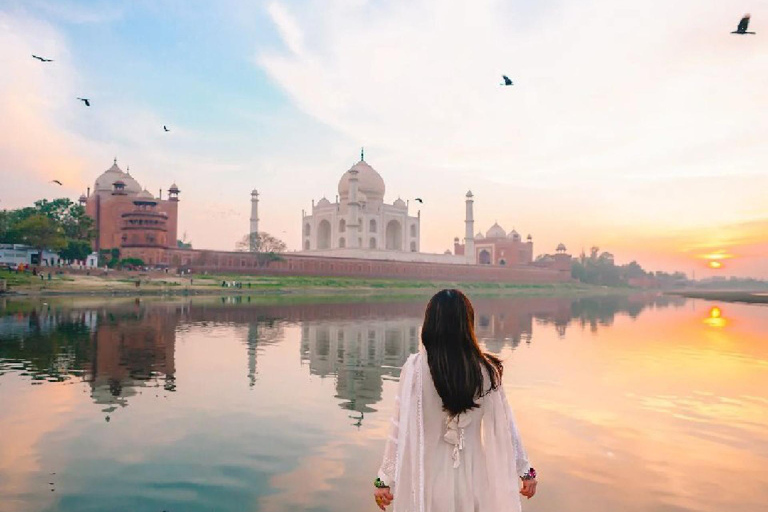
[[128, 216]]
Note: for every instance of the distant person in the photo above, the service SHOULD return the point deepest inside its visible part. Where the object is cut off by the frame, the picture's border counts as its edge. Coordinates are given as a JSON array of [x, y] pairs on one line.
[[453, 445]]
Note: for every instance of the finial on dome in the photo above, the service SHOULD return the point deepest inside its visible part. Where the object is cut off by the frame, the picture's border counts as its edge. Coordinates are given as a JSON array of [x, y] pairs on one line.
[[362, 154]]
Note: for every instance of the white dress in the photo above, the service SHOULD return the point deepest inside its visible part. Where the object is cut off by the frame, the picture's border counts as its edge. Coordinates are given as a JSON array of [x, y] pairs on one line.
[[436, 464]]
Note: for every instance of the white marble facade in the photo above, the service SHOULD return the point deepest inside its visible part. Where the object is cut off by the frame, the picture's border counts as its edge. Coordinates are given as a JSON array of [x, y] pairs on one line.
[[360, 222]]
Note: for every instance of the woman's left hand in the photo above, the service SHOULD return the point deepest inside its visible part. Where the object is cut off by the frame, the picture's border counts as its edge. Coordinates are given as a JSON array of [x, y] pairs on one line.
[[383, 497], [529, 488]]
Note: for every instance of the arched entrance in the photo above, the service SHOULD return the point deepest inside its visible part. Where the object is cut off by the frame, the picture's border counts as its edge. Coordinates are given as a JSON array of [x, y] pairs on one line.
[[394, 236], [324, 235], [484, 258]]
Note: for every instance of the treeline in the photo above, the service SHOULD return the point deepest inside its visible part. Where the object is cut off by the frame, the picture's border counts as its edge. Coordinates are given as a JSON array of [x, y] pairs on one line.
[[59, 226], [599, 268]]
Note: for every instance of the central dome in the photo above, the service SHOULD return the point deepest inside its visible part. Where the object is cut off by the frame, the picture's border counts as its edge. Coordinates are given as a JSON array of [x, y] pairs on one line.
[[370, 184], [496, 231]]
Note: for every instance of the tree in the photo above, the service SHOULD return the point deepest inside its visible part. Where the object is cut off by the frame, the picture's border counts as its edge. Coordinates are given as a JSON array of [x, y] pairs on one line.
[[184, 243], [41, 233], [73, 228], [261, 242], [266, 247], [76, 250]]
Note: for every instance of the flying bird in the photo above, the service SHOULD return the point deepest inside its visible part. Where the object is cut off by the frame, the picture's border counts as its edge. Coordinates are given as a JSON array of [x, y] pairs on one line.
[[165, 128], [419, 200], [743, 26], [507, 81], [86, 101], [41, 59], [56, 181]]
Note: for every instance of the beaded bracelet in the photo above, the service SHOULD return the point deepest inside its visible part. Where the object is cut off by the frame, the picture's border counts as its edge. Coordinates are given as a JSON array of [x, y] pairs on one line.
[[530, 475], [379, 484]]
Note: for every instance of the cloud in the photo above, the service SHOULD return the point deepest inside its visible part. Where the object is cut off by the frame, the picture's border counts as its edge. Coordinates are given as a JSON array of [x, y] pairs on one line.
[[95, 11], [36, 100], [602, 89], [286, 25], [625, 117]]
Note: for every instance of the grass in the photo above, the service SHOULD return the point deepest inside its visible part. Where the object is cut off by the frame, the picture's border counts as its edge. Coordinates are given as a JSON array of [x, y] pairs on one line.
[[313, 286]]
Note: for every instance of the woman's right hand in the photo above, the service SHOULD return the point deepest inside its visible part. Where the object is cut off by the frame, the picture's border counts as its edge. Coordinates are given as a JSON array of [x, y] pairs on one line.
[[529, 488], [383, 497]]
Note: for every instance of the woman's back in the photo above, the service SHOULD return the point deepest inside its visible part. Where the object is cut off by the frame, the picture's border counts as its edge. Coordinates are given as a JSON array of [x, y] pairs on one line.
[[453, 444], [457, 469]]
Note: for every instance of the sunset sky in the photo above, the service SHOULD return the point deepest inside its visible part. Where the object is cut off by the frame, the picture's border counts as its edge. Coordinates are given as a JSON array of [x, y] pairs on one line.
[[638, 127]]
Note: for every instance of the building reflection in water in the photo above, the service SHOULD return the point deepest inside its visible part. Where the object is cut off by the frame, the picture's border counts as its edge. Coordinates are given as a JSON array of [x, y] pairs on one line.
[[132, 351], [123, 350], [116, 351], [359, 355], [261, 334]]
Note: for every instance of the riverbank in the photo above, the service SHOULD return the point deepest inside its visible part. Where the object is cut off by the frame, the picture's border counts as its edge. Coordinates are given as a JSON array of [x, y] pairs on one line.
[[746, 296], [161, 284]]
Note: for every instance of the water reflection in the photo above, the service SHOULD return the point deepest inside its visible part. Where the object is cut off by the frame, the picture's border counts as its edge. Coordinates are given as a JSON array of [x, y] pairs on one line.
[[121, 350], [715, 318], [629, 403], [360, 356], [117, 352]]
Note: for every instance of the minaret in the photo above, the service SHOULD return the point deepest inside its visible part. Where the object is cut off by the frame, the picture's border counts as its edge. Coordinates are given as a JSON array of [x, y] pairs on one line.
[[353, 220], [254, 215], [469, 233]]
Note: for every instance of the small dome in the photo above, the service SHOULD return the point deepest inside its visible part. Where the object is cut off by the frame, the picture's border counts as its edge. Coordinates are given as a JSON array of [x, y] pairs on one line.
[[447, 252], [369, 183], [529, 238], [254, 192], [400, 203], [174, 188], [145, 194], [107, 179], [479, 235], [496, 231], [561, 248], [82, 198], [514, 235], [469, 193], [323, 202]]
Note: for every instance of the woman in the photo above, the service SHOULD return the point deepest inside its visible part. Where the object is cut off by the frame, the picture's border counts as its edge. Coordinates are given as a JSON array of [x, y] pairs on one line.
[[453, 445]]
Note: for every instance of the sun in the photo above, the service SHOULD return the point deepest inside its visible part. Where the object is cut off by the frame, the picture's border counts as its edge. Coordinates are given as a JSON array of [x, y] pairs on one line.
[[714, 264]]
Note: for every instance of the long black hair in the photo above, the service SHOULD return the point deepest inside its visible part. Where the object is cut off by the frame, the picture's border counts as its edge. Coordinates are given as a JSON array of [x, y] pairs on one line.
[[455, 359]]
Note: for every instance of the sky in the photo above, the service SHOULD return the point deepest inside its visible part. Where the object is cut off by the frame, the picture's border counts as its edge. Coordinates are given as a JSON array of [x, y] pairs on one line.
[[636, 127]]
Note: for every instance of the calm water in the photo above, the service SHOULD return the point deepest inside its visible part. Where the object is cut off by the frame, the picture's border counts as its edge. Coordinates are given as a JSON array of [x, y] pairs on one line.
[[639, 404]]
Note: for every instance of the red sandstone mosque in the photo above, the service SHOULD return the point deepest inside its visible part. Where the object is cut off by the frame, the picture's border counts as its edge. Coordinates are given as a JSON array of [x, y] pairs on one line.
[[127, 216]]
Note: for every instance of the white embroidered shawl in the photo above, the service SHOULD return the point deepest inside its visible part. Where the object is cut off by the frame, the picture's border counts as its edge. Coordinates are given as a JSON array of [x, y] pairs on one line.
[[434, 463]]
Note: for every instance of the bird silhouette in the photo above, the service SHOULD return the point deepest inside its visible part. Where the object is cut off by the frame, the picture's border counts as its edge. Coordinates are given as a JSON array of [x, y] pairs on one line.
[[743, 26], [41, 59], [86, 101], [419, 200], [507, 81], [165, 129], [56, 181]]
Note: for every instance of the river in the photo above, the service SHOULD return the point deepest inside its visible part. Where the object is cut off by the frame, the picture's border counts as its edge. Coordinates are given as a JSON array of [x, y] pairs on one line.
[[642, 403]]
